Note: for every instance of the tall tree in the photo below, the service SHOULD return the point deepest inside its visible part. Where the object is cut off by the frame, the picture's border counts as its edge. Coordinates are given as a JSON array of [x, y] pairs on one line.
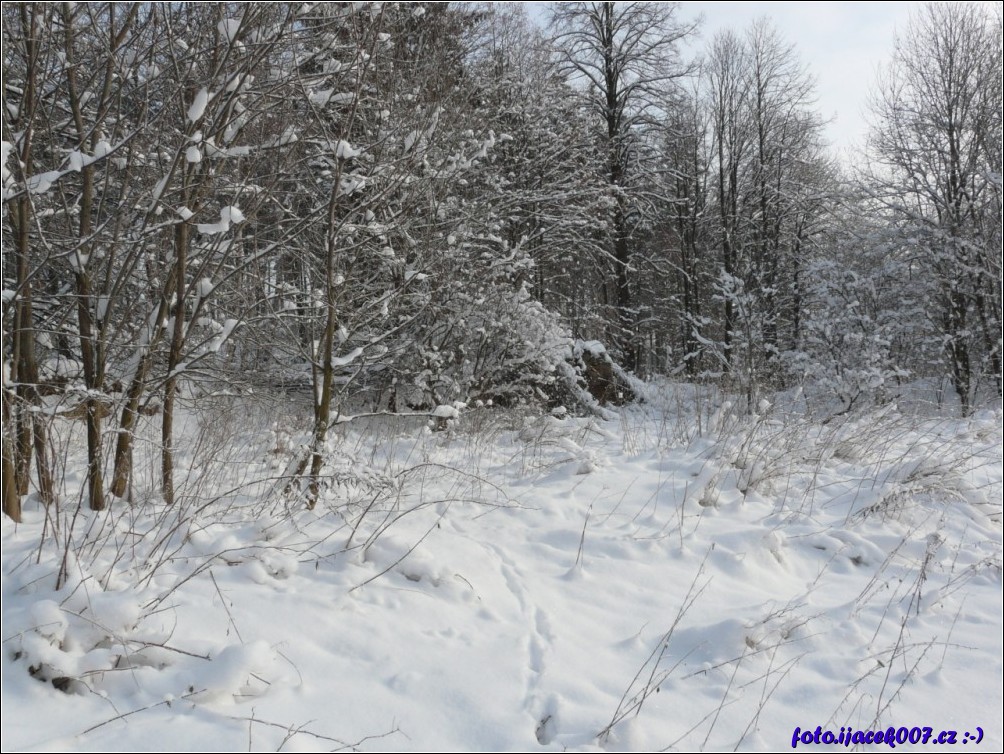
[[27, 61], [624, 60], [770, 179], [936, 143], [679, 263]]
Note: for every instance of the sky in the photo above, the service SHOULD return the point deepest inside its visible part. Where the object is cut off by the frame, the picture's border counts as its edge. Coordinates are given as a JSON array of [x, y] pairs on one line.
[[842, 43]]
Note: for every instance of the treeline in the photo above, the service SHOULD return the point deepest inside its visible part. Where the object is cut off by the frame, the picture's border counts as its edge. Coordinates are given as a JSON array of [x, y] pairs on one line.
[[405, 206]]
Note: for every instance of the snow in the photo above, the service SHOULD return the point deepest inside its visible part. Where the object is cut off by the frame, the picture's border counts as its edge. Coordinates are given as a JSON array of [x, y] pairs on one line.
[[193, 154], [321, 98], [6, 149], [185, 213], [223, 335], [239, 151], [78, 261], [199, 104], [228, 28], [445, 412], [228, 216], [341, 361], [345, 151], [158, 190], [212, 150], [288, 136], [594, 347], [232, 214], [42, 182], [349, 184], [58, 366], [682, 577], [238, 81]]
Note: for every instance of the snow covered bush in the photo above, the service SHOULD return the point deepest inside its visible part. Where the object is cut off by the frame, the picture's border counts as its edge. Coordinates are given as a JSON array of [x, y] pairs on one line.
[[867, 327], [855, 337]]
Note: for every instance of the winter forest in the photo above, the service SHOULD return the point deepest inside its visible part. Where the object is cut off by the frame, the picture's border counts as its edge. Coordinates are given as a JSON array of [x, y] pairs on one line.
[[436, 376]]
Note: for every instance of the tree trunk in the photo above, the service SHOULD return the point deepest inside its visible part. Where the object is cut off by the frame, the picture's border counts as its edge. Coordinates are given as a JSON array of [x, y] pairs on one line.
[[173, 360], [11, 498], [31, 433]]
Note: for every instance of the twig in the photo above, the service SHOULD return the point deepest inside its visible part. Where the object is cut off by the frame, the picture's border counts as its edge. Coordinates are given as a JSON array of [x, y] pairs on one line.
[[582, 539], [633, 702], [140, 709], [405, 555], [226, 607]]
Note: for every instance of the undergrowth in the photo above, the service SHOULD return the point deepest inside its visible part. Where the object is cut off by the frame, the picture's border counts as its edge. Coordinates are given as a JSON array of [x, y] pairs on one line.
[[98, 598]]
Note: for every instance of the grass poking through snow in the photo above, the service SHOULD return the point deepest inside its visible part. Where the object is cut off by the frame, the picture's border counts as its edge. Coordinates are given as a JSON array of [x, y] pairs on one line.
[[681, 577]]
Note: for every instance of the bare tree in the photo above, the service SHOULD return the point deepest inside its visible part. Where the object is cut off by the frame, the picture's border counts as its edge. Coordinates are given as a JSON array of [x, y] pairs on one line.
[[624, 61], [25, 61], [767, 181], [726, 93], [937, 144]]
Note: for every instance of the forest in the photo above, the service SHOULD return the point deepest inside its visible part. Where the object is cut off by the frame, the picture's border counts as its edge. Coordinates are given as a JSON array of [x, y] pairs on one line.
[[292, 292]]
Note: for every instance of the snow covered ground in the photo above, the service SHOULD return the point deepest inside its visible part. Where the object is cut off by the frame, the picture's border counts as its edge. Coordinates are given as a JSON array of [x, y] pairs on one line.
[[674, 577]]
